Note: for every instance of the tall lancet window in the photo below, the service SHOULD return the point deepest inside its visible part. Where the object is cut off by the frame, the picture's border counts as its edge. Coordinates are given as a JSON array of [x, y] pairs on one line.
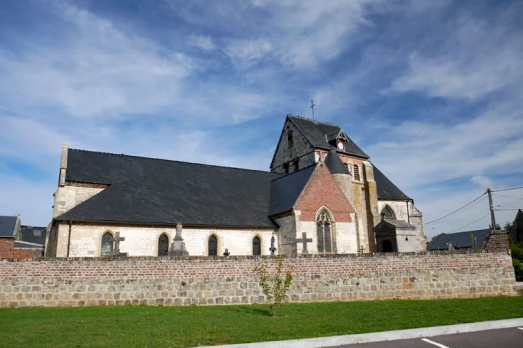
[[256, 246], [163, 245], [107, 244], [324, 232], [213, 246]]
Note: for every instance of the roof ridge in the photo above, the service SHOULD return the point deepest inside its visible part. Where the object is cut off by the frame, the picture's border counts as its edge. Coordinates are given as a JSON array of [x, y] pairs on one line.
[[449, 234], [315, 121], [169, 160]]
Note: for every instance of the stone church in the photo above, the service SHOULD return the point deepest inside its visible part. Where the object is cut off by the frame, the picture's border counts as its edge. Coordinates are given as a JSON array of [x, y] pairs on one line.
[[322, 195]]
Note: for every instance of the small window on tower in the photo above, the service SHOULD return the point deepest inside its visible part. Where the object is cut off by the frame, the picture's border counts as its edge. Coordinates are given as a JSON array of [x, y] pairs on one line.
[[285, 167], [356, 172], [289, 138], [296, 165]]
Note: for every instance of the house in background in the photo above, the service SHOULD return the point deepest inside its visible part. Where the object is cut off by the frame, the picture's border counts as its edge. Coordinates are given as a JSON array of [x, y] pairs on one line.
[[18, 241], [517, 227], [459, 241]]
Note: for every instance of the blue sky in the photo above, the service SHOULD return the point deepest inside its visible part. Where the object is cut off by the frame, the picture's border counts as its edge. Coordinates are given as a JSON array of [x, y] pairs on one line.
[[431, 90]]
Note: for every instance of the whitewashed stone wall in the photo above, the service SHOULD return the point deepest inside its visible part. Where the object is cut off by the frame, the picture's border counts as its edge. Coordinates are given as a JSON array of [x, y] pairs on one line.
[[345, 234], [417, 239], [85, 240], [68, 197]]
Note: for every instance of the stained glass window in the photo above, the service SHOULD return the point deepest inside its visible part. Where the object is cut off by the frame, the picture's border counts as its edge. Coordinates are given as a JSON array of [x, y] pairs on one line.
[[324, 232]]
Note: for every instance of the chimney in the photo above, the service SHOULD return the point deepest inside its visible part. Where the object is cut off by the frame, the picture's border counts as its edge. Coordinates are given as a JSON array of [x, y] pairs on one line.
[[63, 164]]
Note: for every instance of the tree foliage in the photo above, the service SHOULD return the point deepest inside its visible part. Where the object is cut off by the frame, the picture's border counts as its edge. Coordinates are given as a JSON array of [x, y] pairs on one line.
[[275, 287], [516, 251]]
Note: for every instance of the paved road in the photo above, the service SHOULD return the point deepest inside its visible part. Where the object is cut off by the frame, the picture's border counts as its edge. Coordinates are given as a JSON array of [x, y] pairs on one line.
[[502, 338]]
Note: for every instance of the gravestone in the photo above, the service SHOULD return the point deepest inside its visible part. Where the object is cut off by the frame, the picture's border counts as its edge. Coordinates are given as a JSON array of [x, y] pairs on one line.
[[304, 240], [116, 250], [178, 246]]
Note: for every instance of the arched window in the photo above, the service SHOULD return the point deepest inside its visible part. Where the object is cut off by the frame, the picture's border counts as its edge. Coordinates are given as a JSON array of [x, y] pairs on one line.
[[213, 245], [256, 246], [388, 213], [107, 244], [163, 245], [356, 172], [324, 232]]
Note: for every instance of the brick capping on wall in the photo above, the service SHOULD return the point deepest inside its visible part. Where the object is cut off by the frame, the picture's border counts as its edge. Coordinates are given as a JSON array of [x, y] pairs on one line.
[[222, 280]]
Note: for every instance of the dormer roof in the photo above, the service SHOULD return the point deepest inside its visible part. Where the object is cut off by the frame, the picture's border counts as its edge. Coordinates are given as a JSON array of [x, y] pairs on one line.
[[322, 135]]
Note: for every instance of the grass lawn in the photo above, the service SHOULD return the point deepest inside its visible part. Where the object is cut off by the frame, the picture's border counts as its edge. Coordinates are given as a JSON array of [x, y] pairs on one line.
[[192, 326]]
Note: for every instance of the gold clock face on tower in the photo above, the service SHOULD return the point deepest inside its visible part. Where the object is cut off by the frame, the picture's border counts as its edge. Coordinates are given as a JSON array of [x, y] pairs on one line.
[[340, 145]]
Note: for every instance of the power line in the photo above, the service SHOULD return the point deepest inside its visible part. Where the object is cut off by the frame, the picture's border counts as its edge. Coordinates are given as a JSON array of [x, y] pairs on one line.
[[504, 209], [455, 211], [484, 216], [509, 189], [498, 195]]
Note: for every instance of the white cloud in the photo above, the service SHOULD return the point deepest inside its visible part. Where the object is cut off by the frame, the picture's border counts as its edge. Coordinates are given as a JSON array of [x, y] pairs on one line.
[[98, 71], [203, 42], [478, 58], [305, 33], [248, 52], [482, 181]]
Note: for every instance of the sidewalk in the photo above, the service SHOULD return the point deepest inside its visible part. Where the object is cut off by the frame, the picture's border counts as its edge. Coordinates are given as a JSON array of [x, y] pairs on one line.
[[380, 336]]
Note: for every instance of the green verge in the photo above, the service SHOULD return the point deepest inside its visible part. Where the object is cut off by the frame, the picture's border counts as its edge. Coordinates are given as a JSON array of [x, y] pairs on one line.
[[192, 326]]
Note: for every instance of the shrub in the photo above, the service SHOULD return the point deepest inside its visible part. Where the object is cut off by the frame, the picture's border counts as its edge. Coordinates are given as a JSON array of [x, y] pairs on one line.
[[275, 287]]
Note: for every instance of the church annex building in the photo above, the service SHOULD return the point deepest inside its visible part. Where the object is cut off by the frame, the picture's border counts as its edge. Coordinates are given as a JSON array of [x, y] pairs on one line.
[[322, 195]]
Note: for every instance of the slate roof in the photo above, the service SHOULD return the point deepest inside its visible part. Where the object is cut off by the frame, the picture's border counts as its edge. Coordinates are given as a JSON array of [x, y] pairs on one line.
[[386, 189], [153, 191], [395, 223], [32, 234], [27, 245], [461, 240], [335, 164], [319, 134], [285, 190], [7, 226]]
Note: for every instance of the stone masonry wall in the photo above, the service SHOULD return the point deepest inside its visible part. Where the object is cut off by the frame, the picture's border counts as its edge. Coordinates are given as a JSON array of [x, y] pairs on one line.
[[141, 240], [301, 149], [220, 280]]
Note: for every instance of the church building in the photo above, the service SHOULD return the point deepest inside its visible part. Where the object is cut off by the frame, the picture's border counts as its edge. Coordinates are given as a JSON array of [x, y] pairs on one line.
[[322, 195]]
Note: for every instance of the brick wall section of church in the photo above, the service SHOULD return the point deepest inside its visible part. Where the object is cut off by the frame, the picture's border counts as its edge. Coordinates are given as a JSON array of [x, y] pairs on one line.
[[210, 281], [323, 190]]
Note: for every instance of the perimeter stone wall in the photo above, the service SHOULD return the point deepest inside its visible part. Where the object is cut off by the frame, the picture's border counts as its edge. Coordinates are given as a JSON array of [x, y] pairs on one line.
[[220, 280]]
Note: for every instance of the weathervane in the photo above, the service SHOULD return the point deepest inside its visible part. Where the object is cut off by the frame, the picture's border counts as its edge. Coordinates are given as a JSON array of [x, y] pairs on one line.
[[312, 107]]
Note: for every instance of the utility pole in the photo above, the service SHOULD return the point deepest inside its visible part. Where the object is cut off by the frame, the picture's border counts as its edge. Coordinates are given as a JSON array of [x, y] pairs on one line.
[[491, 209]]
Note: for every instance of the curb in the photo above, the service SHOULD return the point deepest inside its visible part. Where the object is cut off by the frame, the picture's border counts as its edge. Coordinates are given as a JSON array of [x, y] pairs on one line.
[[380, 336]]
